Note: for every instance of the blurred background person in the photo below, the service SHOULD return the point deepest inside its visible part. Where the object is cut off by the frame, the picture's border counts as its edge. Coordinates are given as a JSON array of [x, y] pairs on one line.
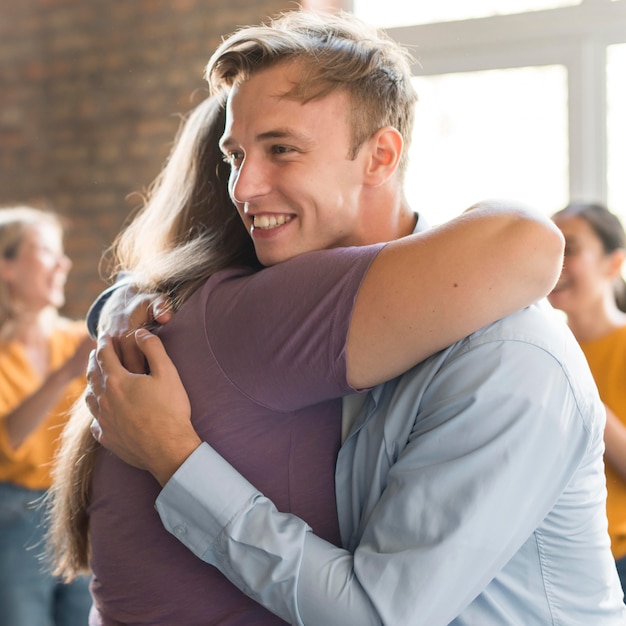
[[43, 357], [592, 293]]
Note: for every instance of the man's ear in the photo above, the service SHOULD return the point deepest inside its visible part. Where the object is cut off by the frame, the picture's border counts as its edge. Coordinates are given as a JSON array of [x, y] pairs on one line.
[[385, 150]]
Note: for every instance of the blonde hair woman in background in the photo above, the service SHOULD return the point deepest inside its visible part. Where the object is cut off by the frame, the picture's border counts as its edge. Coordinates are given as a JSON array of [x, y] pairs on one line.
[[42, 363], [592, 293]]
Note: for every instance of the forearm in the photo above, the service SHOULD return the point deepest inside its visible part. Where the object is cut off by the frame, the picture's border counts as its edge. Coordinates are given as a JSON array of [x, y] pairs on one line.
[[615, 443], [26, 417], [271, 556]]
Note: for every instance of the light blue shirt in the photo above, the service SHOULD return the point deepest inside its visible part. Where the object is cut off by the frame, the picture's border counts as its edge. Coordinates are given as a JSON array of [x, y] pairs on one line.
[[470, 491]]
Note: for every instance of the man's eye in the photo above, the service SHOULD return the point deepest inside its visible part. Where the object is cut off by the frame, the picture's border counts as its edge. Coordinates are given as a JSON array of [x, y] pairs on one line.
[[281, 150], [233, 158]]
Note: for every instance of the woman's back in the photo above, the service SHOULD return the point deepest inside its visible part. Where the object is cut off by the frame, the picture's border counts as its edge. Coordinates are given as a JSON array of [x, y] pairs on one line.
[[253, 412]]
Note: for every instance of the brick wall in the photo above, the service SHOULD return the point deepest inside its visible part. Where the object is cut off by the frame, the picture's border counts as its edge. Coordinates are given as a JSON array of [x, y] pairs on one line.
[[89, 92]]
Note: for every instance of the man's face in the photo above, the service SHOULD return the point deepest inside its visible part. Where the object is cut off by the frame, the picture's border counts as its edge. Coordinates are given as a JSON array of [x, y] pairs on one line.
[[292, 180]]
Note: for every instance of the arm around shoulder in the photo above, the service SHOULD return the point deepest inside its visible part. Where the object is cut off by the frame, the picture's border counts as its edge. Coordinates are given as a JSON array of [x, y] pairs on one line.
[[426, 291]]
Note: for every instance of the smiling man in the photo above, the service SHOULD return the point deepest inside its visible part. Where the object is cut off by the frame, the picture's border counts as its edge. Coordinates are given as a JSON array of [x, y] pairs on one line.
[[469, 489], [273, 133]]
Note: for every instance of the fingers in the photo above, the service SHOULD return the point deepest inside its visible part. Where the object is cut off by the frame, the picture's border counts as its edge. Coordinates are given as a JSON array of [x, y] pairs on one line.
[[103, 362], [162, 310], [106, 357], [130, 356], [92, 403], [152, 348], [94, 374], [94, 409], [96, 431]]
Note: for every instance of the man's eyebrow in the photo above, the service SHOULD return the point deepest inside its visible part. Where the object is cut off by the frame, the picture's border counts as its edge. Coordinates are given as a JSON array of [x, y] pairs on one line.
[[278, 133], [284, 133]]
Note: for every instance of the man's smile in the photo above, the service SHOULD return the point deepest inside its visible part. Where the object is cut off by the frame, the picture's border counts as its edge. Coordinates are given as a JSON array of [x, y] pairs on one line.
[[267, 222]]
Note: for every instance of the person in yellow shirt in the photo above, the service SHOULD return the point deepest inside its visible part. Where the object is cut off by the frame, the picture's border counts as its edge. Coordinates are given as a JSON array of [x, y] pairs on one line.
[[592, 293], [43, 357]]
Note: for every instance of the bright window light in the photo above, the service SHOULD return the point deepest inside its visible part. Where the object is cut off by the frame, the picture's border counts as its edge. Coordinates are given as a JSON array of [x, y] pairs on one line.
[[402, 13], [616, 128], [488, 134]]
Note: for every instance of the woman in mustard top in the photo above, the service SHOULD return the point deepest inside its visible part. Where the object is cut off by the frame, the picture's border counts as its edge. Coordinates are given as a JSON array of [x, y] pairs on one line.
[[592, 293], [43, 357]]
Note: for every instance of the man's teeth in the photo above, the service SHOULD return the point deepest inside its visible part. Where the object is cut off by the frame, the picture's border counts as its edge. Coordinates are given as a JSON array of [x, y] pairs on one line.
[[265, 222]]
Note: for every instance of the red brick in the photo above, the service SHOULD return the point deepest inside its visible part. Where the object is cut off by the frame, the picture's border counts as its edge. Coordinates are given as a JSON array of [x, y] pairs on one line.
[[89, 93]]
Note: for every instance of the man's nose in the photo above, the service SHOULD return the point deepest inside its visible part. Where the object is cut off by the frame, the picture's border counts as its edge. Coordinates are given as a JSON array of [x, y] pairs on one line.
[[251, 180]]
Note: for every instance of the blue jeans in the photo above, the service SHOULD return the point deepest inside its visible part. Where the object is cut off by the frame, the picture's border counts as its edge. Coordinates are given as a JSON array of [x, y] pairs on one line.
[[29, 594], [621, 570]]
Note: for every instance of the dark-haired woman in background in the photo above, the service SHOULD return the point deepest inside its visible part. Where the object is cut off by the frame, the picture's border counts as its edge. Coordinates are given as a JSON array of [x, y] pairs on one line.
[[592, 293]]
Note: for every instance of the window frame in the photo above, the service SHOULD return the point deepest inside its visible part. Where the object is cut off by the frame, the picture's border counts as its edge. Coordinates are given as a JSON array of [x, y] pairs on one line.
[[576, 37]]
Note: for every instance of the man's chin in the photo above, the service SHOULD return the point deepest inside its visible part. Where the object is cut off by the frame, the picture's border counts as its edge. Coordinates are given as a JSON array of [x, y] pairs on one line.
[[269, 258], [269, 255]]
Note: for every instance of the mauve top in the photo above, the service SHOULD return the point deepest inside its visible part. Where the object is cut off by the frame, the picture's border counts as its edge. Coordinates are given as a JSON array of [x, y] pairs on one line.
[[262, 356]]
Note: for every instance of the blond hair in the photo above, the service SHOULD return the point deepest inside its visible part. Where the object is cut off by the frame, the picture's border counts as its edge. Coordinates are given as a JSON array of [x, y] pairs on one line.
[[15, 221], [334, 53]]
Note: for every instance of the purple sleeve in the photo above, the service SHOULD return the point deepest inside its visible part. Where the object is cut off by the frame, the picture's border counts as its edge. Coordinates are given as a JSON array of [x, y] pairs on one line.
[[280, 335]]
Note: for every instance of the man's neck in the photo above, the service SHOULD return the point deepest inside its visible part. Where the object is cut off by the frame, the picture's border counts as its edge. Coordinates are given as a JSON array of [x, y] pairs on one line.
[[404, 223]]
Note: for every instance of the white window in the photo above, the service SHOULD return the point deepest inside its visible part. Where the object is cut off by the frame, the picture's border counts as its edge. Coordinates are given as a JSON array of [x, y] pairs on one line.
[[403, 13], [616, 125], [489, 134], [530, 105]]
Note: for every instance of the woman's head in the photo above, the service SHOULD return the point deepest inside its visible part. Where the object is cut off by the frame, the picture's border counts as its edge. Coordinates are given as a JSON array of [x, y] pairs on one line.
[[33, 265], [188, 227], [595, 246]]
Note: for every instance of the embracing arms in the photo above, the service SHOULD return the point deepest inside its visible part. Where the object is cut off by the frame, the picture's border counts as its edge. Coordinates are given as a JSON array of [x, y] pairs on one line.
[[424, 292], [421, 293], [452, 491]]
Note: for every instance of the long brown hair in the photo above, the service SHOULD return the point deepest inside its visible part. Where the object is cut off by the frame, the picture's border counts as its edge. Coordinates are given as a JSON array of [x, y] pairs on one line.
[[188, 227], [186, 231]]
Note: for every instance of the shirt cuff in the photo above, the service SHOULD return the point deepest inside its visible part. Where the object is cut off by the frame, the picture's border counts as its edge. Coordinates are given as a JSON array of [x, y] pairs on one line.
[[201, 498], [93, 314]]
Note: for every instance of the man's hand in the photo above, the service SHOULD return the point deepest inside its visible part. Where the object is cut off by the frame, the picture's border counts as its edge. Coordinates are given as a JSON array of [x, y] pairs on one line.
[[142, 418], [126, 311]]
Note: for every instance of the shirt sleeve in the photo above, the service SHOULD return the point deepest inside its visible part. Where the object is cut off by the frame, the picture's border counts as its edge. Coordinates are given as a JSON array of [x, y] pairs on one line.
[[497, 438], [485, 463], [288, 323]]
